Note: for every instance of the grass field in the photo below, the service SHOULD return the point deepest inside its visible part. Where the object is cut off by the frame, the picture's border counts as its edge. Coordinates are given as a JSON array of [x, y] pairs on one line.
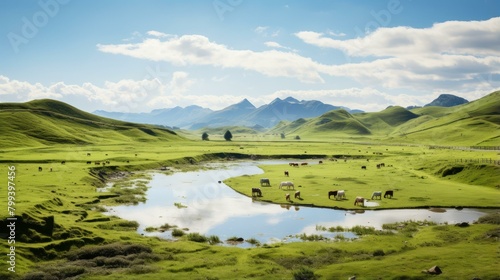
[[64, 233]]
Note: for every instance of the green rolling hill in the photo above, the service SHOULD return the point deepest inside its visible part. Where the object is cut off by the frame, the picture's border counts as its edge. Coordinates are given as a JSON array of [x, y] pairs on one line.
[[474, 123], [48, 122]]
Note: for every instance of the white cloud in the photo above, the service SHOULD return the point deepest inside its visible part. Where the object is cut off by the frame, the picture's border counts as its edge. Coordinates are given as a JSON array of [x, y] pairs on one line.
[[443, 57], [478, 38], [199, 50]]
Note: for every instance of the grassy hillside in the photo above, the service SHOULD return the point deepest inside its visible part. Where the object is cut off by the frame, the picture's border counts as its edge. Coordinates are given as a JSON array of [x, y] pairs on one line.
[[471, 124], [46, 122]]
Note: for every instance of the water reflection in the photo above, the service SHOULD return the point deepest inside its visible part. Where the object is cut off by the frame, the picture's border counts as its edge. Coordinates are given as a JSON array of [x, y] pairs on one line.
[[212, 208]]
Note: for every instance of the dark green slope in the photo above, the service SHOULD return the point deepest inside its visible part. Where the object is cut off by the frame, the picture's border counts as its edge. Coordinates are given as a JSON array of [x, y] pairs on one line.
[[47, 122]]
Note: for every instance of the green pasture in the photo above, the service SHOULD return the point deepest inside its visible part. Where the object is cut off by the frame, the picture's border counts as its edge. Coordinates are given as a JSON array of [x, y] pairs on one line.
[[415, 174], [69, 236]]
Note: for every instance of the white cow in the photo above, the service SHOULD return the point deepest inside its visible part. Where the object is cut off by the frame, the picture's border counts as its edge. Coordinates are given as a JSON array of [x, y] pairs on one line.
[[340, 195], [286, 184]]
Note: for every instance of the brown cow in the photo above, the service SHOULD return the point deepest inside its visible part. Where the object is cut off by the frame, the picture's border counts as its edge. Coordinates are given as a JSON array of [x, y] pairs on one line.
[[330, 193], [286, 173], [297, 194], [287, 197], [359, 199]]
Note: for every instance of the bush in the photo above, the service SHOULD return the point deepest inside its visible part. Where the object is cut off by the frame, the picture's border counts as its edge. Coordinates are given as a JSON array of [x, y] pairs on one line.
[[177, 232], [214, 239], [304, 274], [196, 237], [378, 253]]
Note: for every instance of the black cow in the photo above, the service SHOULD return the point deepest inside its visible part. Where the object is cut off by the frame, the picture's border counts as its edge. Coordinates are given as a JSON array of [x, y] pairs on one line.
[[330, 193], [363, 167], [256, 192], [388, 193]]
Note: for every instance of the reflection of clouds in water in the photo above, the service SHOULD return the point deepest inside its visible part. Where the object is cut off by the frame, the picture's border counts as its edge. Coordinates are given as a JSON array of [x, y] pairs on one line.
[[214, 208], [274, 220]]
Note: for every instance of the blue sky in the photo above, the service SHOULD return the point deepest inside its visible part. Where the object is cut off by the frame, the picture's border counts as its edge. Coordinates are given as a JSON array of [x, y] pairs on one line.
[[136, 56]]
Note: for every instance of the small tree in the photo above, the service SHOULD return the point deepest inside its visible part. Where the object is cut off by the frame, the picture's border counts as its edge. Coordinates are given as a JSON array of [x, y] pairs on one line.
[[228, 135], [282, 135], [297, 137], [204, 136]]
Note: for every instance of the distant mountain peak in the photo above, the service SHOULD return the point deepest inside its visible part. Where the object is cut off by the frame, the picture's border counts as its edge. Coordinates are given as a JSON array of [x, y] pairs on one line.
[[447, 100], [245, 104], [291, 100]]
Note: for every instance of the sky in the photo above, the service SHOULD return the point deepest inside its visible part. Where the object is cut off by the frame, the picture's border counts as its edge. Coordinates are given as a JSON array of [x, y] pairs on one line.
[[137, 56]]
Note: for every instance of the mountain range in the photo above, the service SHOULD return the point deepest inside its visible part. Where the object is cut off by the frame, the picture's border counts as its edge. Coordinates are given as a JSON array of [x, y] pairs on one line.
[[48, 122], [243, 113]]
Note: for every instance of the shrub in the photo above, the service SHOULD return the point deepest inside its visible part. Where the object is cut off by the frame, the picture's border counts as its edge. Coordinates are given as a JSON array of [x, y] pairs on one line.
[[378, 253], [304, 274], [196, 237], [177, 232], [214, 239]]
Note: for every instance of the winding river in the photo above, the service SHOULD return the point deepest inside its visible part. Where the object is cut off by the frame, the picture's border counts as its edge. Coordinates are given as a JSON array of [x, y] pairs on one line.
[[197, 201]]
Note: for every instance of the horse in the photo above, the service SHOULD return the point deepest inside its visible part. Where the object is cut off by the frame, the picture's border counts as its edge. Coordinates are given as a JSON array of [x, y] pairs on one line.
[[334, 193], [265, 181], [287, 197], [297, 194], [363, 167], [388, 193], [256, 192], [286, 173], [377, 194], [286, 184], [359, 199], [40, 168], [340, 195]]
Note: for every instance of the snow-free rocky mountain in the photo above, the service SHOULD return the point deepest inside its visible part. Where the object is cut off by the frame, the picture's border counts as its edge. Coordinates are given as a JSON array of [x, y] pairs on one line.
[[243, 113]]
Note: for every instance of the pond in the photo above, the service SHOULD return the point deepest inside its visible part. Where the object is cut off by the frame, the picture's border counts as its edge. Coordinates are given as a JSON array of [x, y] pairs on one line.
[[198, 202]]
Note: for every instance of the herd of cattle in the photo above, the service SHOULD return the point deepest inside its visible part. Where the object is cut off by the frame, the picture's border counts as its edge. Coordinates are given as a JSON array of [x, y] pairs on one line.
[[337, 194], [103, 163]]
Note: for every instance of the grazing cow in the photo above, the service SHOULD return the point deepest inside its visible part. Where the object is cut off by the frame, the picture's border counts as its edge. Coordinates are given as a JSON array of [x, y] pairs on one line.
[[63, 162], [297, 194], [88, 154], [286, 184], [256, 192], [359, 199], [304, 163], [340, 195], [97, 163], [382, 164], [334, 193], [265, 181], [388, 193], [378, 166], [287, 197], [40, 168], [320, 162], [89, 162], [286, 173], [107, 161], [363, 167], [377, 194], [291, 164]]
